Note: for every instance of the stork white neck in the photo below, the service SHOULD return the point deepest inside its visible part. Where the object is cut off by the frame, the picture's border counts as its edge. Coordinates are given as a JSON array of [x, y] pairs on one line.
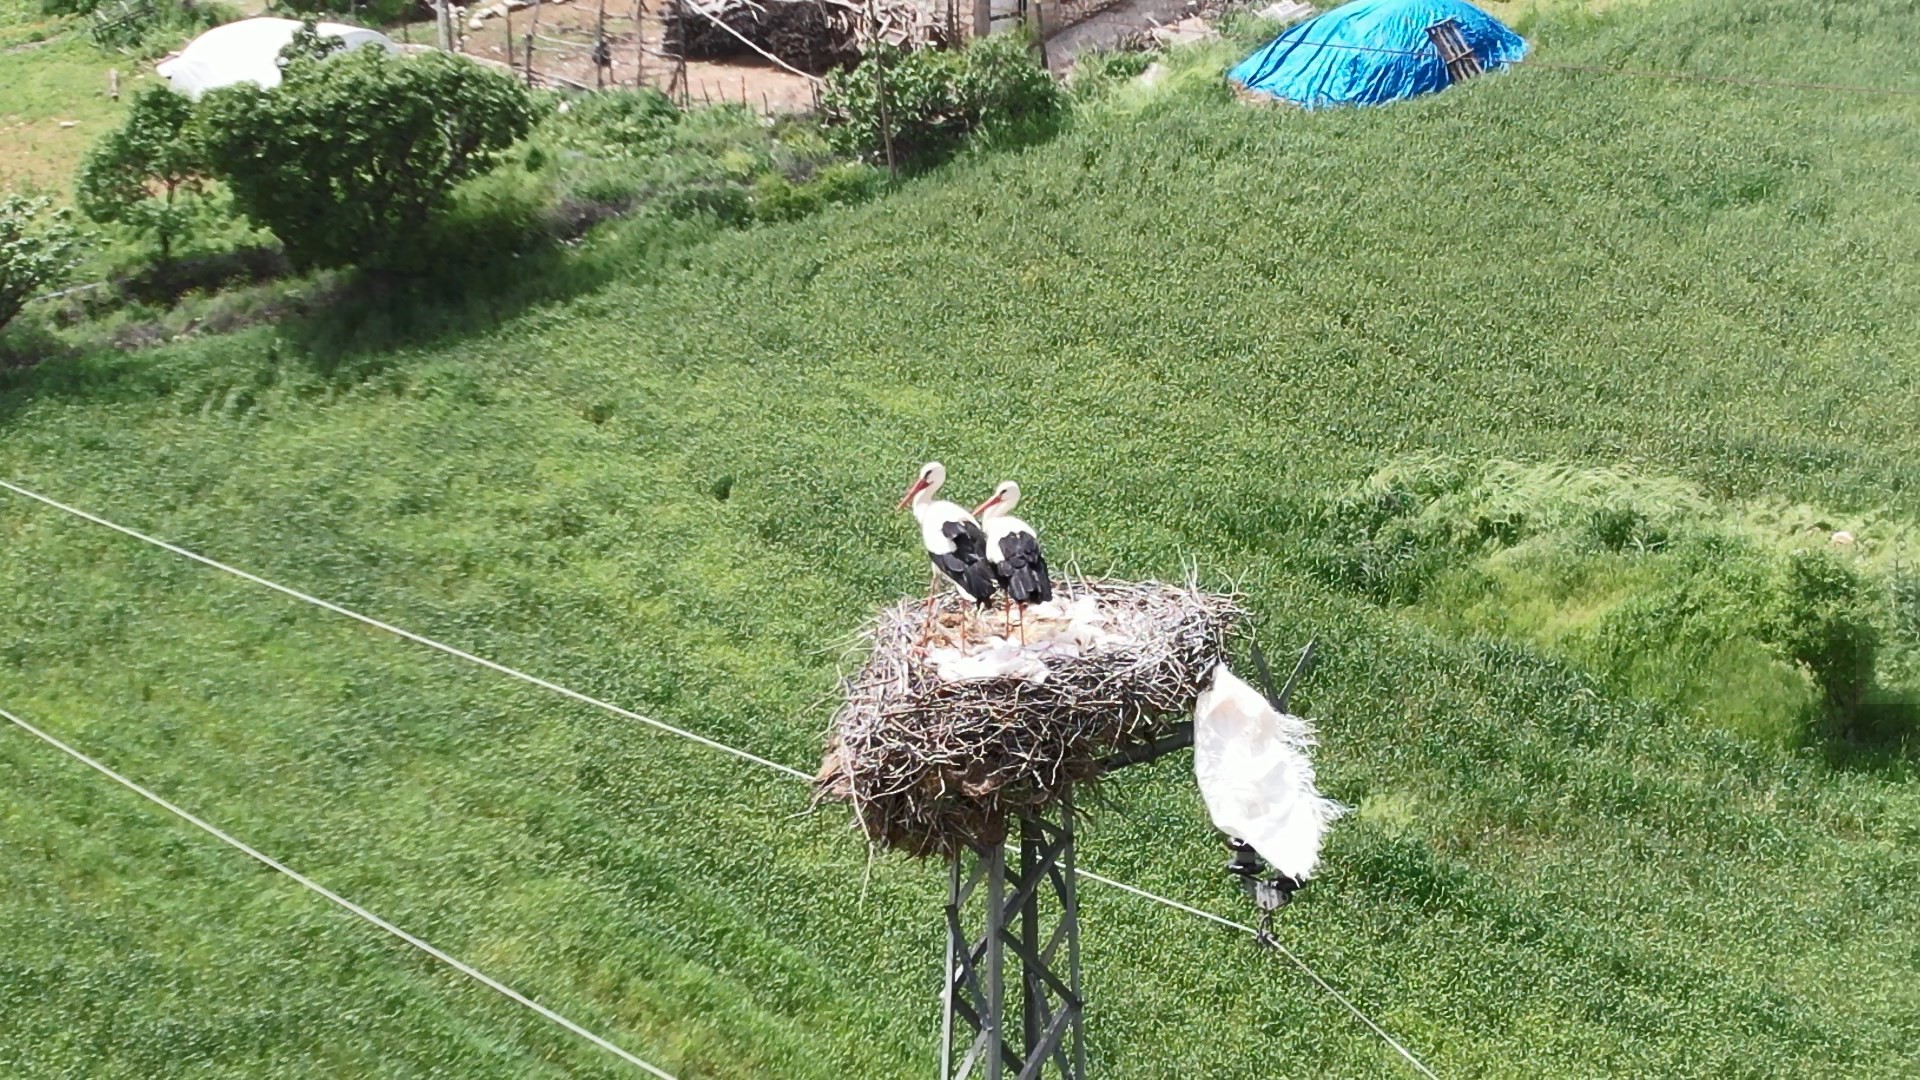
[[923, 496], [934, 515]]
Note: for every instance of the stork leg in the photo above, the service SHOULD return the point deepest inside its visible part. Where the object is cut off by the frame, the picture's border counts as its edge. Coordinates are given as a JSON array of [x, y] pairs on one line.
[[1023, 623], [926, 620]]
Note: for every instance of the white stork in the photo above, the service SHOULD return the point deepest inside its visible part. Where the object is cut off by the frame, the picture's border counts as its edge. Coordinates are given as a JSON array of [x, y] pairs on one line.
[[1014, 551], [953, 539]]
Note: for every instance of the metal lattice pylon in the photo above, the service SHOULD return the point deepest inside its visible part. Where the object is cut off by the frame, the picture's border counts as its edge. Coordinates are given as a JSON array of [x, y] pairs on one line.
[[1031, 1025]]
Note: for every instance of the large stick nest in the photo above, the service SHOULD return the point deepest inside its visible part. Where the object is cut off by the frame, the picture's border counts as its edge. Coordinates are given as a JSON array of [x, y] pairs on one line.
[[932, 766]]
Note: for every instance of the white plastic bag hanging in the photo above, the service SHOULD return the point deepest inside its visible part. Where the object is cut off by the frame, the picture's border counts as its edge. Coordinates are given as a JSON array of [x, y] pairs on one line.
[[1255, 774]]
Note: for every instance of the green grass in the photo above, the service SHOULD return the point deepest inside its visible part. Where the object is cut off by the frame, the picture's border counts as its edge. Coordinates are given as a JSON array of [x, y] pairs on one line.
[[1646, 582], [45, 83], [54, 99], [1177, 324]]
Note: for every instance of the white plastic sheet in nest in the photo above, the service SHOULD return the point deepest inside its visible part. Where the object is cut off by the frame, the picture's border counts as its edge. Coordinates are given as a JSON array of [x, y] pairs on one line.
[[1256, 776], [1058, 629]]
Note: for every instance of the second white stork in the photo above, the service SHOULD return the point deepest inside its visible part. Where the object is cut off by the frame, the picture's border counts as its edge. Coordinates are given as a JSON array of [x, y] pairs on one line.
[[1014, 549], [953, 539]]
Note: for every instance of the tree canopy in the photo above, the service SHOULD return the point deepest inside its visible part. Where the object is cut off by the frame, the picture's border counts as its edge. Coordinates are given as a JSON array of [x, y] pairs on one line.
[[350, 157], [137, 172], [38, 248]]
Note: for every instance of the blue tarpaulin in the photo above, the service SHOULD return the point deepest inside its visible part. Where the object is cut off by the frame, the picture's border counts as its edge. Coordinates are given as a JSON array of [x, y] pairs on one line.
[[1372, 51]]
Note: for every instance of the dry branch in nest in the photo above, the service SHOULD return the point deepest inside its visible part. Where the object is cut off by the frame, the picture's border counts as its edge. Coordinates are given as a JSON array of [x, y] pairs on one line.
[[932, 763]]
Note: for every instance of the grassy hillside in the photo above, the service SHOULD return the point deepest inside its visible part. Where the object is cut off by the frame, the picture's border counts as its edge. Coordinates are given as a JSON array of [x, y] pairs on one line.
[[1178, 324], [53, 98]]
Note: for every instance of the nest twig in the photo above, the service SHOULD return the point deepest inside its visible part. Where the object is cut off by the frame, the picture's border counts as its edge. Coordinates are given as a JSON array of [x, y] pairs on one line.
[[931, 766]]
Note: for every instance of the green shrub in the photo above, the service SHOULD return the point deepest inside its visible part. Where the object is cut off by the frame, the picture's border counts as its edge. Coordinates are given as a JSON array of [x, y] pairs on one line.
[[1821, 617], [636, 151], [912, 96], [146, 27], [724, 199], [368, 12], [38, 249], [776, 198], [930, 100], [350, 157], [1904, 591], [147, 173], [1638, 579], [1098, 72], [308, 43], [847, 183], [1005, 93], [615, 124]]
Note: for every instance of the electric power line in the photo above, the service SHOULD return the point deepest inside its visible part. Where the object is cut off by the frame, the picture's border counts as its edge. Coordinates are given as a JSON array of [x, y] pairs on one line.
[[407, 634], [1268, 939], [616, 710], [305, 882]]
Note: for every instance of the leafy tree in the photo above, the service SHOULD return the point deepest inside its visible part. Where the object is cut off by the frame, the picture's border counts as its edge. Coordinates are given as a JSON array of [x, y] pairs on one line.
[[1005, 91], [350, 157], [913, 96], [137, 174], [144, 27], [308, 43], [365, 12], [37, 249], [930, 100]]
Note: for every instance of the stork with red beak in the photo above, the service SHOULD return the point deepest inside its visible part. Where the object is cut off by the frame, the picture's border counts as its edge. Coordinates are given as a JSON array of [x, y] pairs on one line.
[[953, 539], [1014, 550]]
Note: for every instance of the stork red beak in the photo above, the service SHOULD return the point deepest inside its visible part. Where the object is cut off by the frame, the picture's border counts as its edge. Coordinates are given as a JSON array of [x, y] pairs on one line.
[[982, 508], [911, 492]]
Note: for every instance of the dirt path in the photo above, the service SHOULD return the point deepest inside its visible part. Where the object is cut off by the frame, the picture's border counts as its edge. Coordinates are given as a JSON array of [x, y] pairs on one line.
[[563, 46], [1105, 29]]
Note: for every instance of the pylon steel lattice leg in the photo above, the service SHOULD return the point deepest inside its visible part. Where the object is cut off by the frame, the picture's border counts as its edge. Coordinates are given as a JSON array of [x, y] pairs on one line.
[[1032, 924]]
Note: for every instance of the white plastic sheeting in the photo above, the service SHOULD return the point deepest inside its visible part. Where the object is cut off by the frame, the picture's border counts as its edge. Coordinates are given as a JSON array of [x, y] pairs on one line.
[[1256, 776], [1056, 629], [248, 51]]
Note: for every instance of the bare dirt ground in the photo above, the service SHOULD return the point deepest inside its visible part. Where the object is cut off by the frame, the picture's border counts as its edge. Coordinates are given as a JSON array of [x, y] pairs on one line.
[[563, 37], [1108, 27], [564, 34]]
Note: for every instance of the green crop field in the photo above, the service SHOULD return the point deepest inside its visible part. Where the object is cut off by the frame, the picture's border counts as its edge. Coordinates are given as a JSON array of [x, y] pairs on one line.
[[1186, 326]]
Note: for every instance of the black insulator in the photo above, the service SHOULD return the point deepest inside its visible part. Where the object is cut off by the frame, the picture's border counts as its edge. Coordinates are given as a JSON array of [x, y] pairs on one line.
[[1246, 861]]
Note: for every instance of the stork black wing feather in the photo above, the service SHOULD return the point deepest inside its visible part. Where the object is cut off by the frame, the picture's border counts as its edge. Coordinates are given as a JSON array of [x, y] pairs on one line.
[[1023, 570], [967, 565], [968, 537]]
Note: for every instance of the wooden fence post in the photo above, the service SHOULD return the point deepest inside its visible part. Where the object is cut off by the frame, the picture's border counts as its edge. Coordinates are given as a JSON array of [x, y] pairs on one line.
[[880, 90], [602, 58]]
